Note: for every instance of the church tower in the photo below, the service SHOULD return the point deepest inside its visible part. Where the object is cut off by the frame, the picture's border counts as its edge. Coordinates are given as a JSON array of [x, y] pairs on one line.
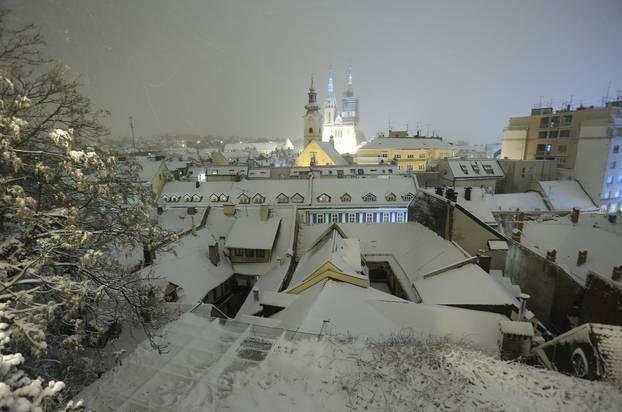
[[330, 105], [350, 103], [312, 119]]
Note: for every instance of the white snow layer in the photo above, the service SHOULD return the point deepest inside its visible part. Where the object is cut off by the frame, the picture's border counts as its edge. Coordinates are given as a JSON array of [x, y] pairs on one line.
[[218, 365]]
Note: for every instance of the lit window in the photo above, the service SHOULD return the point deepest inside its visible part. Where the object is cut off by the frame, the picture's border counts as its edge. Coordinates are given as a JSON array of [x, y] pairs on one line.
[[323, 198], [609, 180], [549, 148], [606, 195]]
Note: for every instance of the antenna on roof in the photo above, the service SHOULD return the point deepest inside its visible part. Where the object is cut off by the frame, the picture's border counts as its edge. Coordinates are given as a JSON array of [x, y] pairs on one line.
[[606, 98], [133, 137], [389, 121]]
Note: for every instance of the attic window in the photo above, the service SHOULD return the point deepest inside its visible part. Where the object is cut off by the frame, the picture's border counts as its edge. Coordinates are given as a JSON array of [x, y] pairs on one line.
[[475, 167], [408, 196], [258, 199], [165, 198], [464, 169], [197, 198], [213, 197], [369, 197], [187, 198], [282, 198], [244, 199], [223, 197], [346, 197], [297, 198], [323, 198], [488, 169], [390, 197]]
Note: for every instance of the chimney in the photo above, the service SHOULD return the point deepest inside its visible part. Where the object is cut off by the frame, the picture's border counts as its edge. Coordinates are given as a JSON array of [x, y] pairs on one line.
[[256, 294], [438, 190], [612, 217], [581, 257], [523, 306], [331, 140], [617, 273], [574, 216], [551, 255], [516, 233], [467, 193]]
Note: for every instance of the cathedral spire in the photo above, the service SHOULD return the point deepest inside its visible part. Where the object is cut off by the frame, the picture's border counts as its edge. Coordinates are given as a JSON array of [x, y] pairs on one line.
[[312, 97], [331, 87], [349, 77]]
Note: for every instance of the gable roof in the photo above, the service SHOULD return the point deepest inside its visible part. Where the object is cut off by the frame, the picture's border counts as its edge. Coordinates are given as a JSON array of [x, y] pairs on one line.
[[328, 149], [252, 233]]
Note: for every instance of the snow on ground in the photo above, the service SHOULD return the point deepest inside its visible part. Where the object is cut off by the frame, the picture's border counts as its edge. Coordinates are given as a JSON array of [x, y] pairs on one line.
[[231, 366]]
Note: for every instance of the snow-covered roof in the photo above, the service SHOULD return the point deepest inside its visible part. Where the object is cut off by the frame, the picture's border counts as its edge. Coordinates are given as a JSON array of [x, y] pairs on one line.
[[566, 195], [271, 189], [410, 248], [190, 267], [405, 143], [253, 233], [178, 220], [466, 285], [475, 169], [602, 242], [512, 327], [228, 365], [148, 168], [483, 203], [332, 153]]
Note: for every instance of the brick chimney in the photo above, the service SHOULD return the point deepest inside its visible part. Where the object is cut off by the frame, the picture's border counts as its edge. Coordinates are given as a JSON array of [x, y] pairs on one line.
[[581, 257], [574, 216], [617, 273], [551, 255], [516, 233]]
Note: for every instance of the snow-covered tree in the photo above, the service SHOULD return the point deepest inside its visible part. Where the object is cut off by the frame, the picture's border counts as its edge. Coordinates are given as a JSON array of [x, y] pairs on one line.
[[67, 209]]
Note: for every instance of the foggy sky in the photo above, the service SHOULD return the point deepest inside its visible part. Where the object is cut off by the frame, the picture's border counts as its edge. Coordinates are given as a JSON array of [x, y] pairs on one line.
[[234, 67]]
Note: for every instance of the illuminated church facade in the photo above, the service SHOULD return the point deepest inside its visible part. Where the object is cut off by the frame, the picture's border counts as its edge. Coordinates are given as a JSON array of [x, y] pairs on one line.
[[341, 127]]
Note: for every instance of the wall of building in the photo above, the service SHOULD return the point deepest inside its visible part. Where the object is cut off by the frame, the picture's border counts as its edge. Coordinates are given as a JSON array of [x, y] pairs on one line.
[[593, 147], [521, 175], [553, 292], [602, 301], [514, 143]]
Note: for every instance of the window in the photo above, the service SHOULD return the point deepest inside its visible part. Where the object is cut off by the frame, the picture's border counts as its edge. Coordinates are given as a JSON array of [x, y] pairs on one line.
[[213, 197], [564, 133], [553, 134], [223, 198], [609, 180], [566, 119], [464, 169], [408, 196], [361, 171], [613, 165], [334, 218], [345, 198], [549, 148], [620, 179], [540, 148], [258, 199], [544, 122], [297, 198], [390, 197], [352, 217], [369, 197], [488, 169], [385, 217], [617, 194], [310, 129], [249, 252], [369, 217], [313, 160], [187, 198], [238, 252], [398, 156], [282, 198], [561, 148], [400, 217], [616, 149], [410, 156], [555, 121], [606, 195], [323, 198], [475, 167], [320, 218], [260, 253], [244, 199], [352, 171], [542, 134]]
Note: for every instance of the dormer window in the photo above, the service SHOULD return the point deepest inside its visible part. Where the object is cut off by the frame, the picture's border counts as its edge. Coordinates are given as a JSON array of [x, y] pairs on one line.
[[165, 198], [213, 197], [390, 197], [408, 197], [197, 198], [464, 169], [346, 198], [297, 198], [244, 199], [258, 199], [369, 197], [475, 167], [282, 198], [323, 198], [187, 198], [488, 169], [223, 197]]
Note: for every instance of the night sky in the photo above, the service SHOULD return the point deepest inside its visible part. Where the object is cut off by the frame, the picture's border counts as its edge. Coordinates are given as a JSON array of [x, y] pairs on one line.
[[242, 68]]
